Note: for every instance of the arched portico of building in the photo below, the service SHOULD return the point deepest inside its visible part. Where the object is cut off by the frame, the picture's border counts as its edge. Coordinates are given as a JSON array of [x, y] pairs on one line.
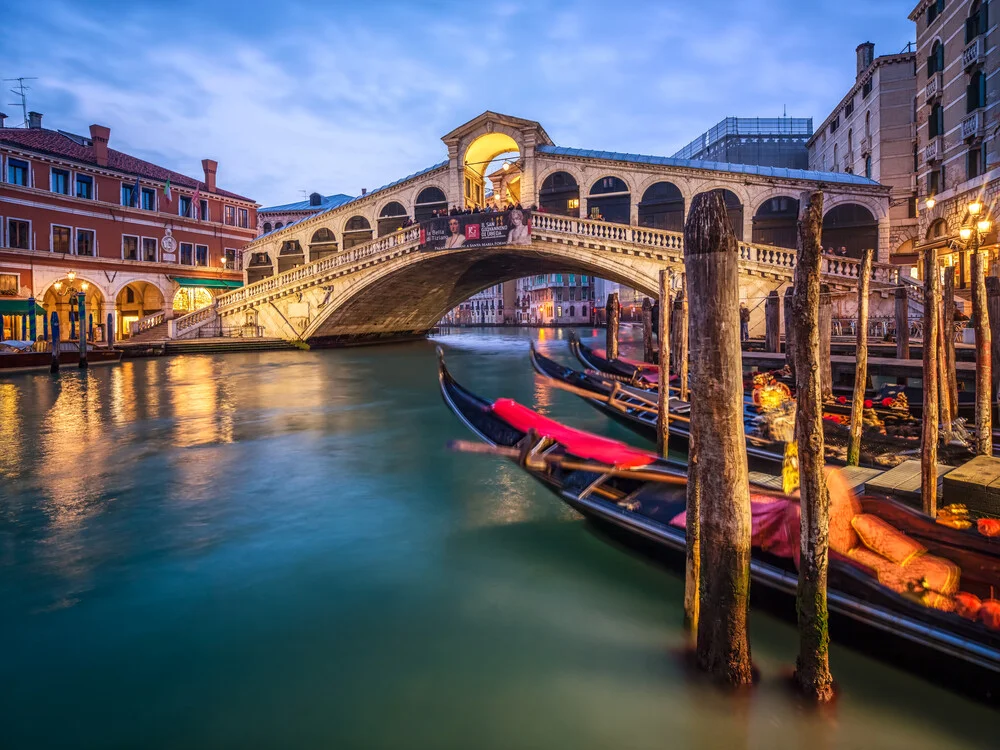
[[60, 296]]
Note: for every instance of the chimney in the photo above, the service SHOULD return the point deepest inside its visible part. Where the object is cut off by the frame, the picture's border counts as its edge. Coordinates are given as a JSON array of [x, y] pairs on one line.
[[211, 167], [315, 199], [866, 55], [2, 118], [364, 191], [99, 135], [35, 120]]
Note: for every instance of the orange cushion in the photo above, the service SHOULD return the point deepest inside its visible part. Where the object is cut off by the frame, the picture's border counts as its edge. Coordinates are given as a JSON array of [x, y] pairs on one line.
[[989, 614], [967, 605], [886, 540], [926, 571], [843, 507]]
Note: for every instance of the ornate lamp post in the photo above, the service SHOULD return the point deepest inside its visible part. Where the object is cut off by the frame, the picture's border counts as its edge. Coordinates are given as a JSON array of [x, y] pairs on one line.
[[972, 236], [80, 295]]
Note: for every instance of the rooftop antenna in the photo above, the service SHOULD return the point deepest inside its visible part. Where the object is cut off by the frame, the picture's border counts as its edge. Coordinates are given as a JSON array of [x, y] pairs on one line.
[[304, 193], [21, 91], [784, 110]]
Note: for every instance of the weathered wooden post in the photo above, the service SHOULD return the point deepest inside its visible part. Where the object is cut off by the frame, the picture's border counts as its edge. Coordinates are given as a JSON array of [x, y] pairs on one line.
[[861, 367], [111, 330], [613, 312], [984, 359], [948, 329], [54, 367], [929, 433], [711, 260], [789, 332], [993, 306], [681, 324], [32, 319], [663, 398], [945, 414], [82, 316], [825, 334], [648, 353], [772, 323], [812, 670], [902, 323]]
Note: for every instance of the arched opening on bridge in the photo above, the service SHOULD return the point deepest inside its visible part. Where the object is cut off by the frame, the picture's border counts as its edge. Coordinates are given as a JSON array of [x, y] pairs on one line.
[[278, 226], [662, 207], [133, 303], [290, 256], [428, 201], [486, 155], [322, 244], [267, 227], [63, 301], [391, 218], [357, 231], [610, 200], [776, 222], [735, 210], [259, 267], [848, 229], [560, 194]]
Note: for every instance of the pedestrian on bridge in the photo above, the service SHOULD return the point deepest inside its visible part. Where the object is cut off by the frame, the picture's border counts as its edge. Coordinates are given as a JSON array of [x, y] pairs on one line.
[[744, 322]]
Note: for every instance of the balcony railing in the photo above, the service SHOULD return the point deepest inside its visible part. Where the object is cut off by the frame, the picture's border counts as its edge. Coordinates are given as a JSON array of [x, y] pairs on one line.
[[934, 149], [935, 85], [973, 53], [972, 126]]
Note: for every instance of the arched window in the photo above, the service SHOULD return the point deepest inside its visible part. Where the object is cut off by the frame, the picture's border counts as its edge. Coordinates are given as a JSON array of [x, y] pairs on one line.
[[610, 200], [267, 227], [391, 218], [935, 63], [357, 231], [868, 166], [868, 125], [975, 95], [836, 166], [322, 244], [428, 201], [278, 226], [560, 194], [776, 222], [260, 267], [976, 24], [662, 207], [850, 226], [934, 10], [938, 229], [290, 256]]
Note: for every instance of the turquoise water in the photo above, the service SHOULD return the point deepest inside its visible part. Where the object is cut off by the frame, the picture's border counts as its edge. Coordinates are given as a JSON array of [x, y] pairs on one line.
[[276, 550]]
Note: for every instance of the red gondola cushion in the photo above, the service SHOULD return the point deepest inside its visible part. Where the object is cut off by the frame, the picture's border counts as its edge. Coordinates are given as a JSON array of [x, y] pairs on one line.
[[646, 367], [576, 442], [989, 614]]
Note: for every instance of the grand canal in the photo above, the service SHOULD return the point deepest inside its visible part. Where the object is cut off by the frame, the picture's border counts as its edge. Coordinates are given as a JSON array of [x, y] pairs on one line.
[[277, 550]]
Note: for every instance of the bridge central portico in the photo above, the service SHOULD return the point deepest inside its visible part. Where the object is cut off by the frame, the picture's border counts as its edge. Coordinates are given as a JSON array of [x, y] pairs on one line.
[[333, 276]]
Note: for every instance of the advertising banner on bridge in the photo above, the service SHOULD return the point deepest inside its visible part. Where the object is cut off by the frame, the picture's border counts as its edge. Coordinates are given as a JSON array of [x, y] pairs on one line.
[[482, 229]]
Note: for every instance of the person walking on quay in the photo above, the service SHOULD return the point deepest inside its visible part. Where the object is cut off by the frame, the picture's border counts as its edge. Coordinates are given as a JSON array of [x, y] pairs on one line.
[[744, 322]]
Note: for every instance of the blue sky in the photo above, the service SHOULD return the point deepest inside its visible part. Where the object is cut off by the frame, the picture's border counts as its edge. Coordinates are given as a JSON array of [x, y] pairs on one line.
[[336, 96]]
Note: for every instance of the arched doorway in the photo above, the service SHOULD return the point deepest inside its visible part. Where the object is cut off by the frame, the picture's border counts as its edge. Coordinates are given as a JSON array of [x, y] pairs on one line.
[[734, 207], [560, 194], [62, 298], [190, 298], [776, 222], [391, 218], [610, 200], [662, 207], [484, 156], [357, 231], [134, 302], [290, 256], [428, 201], [848, 229], [322, 244], [259, 267]]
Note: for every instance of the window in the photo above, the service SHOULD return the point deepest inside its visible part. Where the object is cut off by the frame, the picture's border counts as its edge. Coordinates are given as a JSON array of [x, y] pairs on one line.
[[85, 242], [834, 124], [911, 207], [130, 247], [866, 89], [231, 215], [60, 239], [18, 234], [244, 218], [916, 158], [935, 123], [836, 168], [975, 94], [85, 186], [976, 24], [187, 253], [149, 246], [10, 284], [184, 205], [203, 209], [267, 227], [59, 181], [129, 198], [934, 10], [17, 172], [975, 161], [935, 181], [935, 63], [148, 199], [129, 295], [849, 109], [230, 256], [868, 166], [201, 255]]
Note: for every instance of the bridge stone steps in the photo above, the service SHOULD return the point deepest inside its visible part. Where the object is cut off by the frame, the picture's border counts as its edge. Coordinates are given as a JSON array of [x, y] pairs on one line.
[[216, 346]]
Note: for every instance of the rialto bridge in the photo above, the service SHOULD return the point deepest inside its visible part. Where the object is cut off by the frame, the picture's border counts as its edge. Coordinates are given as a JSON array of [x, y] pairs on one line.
[[351, 272]]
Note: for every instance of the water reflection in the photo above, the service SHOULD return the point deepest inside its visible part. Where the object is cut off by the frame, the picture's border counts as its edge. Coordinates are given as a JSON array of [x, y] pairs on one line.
[[11, 438]]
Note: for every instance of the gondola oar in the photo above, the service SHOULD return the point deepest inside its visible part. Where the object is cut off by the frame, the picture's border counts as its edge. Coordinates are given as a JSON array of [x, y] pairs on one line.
[[610, 400]]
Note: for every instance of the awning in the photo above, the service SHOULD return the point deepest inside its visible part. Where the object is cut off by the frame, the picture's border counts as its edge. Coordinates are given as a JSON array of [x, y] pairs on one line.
[[20, 307], [209, 283]]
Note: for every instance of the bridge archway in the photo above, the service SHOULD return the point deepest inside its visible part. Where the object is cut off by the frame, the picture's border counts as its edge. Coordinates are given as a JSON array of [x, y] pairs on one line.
[[290, 256], [357, 231], [734, 207], [391, 218], [322, 243], [776, 222], [611, 199], [259, 267], [481, 158], [662, 207], [560, 194], [429, 200], [850, 226]]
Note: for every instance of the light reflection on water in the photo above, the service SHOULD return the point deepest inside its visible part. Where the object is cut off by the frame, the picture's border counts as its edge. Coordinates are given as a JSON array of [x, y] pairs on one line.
[[277, 550]]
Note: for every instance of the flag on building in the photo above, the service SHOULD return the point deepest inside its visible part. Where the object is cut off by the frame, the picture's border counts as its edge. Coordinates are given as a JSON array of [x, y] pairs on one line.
[[135, 194], [196, 204], [166, 191]]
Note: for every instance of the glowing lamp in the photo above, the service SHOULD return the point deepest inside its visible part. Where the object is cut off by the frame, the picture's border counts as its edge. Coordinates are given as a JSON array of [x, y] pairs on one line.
[[984, 226], [58, 286], [85, 286], [975, 207], [930, 203], [506, 166], [71, 276], [965, 233]]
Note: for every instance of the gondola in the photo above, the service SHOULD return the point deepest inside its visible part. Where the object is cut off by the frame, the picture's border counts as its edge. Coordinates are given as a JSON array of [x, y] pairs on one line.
[[638, 512], [635, 407]]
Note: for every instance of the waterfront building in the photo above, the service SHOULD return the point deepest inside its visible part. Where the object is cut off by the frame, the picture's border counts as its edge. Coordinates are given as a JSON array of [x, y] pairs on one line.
[[555, 299], [494, 306], [763, 141], [958, 105], [138, 239], [271, 218], [872, 132]]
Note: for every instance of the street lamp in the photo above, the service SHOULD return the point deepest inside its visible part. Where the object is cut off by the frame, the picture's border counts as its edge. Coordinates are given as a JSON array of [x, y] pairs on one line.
[[930, 203]]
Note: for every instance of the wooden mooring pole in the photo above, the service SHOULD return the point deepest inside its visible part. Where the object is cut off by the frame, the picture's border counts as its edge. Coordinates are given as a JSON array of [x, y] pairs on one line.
[[825, 335], [711, 261], [948, 328], [945, 414], [993, 307], [54, 327], [902, 323], [861, 366], [648, 352], [613, 310], [984, 357], [929, 434], [789, 332], [772, 323], [82, 314], [682, 362], [812, 669], [663, 397]]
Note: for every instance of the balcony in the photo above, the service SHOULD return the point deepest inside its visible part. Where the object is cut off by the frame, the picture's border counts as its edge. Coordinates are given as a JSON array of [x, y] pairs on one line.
[[866, 145], [972, 126], [974, 54], [935, 85], [849, 161], [934, 150]]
